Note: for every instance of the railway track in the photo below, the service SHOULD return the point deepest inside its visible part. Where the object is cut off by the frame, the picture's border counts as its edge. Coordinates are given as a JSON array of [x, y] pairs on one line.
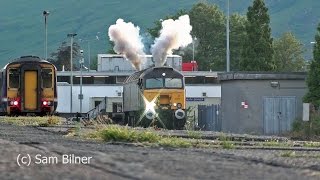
[[212, 139]]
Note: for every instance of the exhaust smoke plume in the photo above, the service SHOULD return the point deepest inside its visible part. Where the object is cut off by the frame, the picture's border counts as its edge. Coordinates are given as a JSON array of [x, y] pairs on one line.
[[173, 35], [127, 41]]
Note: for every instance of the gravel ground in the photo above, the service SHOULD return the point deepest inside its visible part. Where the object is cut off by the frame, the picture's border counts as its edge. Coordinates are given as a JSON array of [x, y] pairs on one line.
[[111, 161]]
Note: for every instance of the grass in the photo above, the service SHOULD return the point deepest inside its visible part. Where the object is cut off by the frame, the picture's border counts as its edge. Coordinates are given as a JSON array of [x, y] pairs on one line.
[[226, 142], [175, 142], [272, 143], [227, 145], [116, 133], [288, 154], [32, 121], [126, 134], [194, 134], [311, 144]]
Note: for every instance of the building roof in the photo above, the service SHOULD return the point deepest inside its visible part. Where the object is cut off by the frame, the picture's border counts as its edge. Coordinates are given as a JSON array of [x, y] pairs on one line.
[[261, 76], [122, 56], [128, 73]]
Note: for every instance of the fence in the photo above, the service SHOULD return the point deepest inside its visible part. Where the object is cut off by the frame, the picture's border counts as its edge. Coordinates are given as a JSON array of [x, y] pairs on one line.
[[208, 117]]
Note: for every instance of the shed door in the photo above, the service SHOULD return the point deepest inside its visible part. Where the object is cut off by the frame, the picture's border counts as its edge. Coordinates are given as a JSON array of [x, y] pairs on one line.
[[30, 90], [278, 114]]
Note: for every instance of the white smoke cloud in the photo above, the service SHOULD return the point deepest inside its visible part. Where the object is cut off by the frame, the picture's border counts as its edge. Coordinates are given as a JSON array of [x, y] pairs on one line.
[[173, 35], [127, 41]]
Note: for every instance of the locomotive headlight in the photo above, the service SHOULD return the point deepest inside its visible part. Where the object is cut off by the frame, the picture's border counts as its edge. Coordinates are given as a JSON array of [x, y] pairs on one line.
[[45, 103], [150, 105], [149, 111], [174, 104]]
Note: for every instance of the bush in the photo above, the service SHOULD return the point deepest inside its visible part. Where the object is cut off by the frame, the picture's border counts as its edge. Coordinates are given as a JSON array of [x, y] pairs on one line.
[[303, 130], [126, 134]]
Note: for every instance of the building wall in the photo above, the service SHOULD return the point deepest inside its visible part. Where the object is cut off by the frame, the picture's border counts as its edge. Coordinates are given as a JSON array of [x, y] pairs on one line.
[[92, 93], [89, 92], [195, 97], [237, 119]]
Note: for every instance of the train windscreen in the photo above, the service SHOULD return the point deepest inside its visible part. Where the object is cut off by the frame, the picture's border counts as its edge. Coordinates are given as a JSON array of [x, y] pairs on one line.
[[154, 83], [14, 78], [47, 78], [173, 82]]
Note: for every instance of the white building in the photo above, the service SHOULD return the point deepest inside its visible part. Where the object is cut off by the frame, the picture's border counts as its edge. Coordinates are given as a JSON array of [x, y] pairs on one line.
[[95, 93], [114, 62], [106, 84]]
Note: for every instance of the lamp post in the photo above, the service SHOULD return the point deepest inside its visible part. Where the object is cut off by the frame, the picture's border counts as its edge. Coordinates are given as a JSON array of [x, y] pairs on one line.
[[195, 38], [45, 14], [89, 46], [81, 61], [227, 31], [89, 56], [71, 35]]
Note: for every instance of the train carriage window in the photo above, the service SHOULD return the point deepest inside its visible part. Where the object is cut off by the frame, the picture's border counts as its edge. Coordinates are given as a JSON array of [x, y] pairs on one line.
[[46, 78], [14, 78], [173, 82], [154, 83]]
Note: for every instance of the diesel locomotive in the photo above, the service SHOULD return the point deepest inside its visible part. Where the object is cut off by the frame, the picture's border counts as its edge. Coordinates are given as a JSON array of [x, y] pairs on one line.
[[155, 96], [28, 86]]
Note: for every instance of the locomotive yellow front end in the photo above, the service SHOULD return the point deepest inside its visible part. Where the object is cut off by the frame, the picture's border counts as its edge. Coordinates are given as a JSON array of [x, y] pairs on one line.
[[164, 97]]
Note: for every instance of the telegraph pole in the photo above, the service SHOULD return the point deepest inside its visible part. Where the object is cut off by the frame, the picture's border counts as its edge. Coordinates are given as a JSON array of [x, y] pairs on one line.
[[46, 14], [81, 95], [71, 35]]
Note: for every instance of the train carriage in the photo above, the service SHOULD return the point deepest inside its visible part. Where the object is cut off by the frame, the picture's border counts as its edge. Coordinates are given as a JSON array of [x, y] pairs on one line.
[[28, 86], [155, 96]]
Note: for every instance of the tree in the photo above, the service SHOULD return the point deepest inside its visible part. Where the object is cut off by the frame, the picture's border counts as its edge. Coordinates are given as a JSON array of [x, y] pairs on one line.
[[62, 56], [94, 63], [208, 25], [237, 35], [313, 79], [155, 31], [288, 53], [258, 51], [110, 50]]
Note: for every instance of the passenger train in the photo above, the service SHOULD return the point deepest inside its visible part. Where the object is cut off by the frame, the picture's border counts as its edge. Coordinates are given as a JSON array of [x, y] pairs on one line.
[[155, 96], [28, 85]]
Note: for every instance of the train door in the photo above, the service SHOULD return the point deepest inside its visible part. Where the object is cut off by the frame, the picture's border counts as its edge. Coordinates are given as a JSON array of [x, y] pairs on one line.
[[30, 90]]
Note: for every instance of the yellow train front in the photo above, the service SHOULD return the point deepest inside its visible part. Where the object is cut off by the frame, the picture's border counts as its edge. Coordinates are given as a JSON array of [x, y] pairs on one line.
[[155, 96], [28, 86]]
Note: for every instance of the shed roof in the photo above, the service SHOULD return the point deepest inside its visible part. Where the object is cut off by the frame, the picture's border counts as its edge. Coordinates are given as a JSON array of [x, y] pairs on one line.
[[261, 76]]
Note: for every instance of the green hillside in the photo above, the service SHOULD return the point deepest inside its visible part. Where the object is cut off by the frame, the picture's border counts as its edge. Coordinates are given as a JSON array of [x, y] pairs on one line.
[[22, 23]]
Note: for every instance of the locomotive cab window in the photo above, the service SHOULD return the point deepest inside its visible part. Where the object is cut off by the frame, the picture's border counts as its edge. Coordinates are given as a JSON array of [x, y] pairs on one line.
[[154, 83], [46, 78], [173, 82], [14, 78]]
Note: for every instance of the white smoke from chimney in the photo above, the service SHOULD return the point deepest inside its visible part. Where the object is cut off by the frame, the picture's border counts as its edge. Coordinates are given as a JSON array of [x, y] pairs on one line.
[[127, 41], [173, 35]]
